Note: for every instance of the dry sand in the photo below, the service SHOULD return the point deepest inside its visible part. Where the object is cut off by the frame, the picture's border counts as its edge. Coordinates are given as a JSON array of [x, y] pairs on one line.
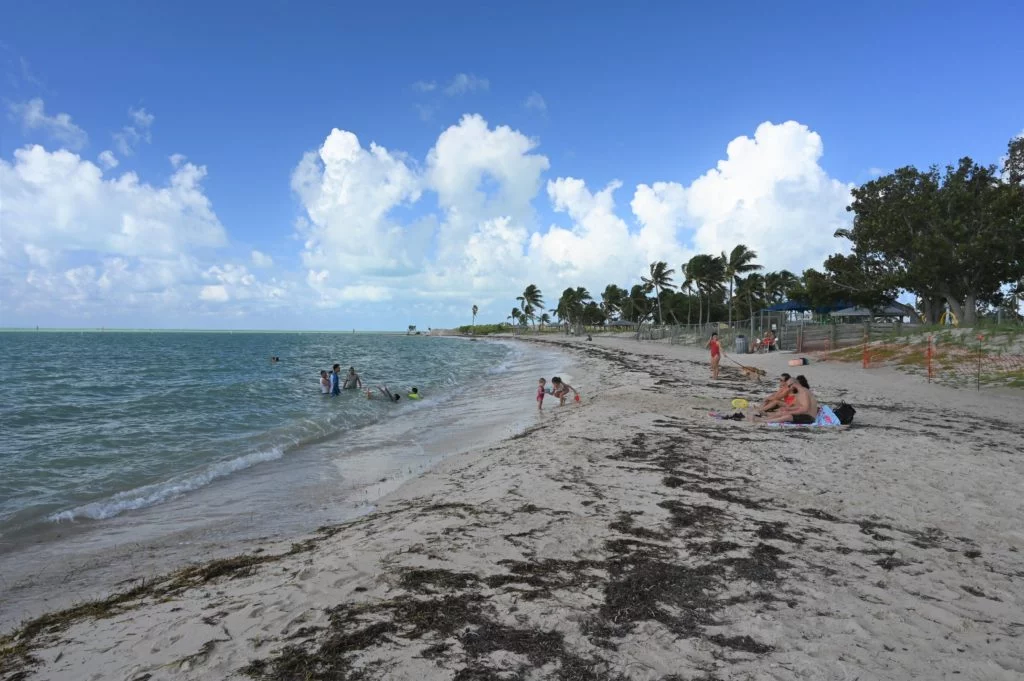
[[629, 537]]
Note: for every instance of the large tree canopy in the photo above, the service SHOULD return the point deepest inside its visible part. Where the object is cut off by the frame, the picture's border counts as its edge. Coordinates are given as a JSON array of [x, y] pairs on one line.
[[957, 235]]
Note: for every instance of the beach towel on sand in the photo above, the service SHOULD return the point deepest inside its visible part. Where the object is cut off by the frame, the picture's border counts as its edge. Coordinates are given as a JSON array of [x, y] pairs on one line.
[[826, 419]]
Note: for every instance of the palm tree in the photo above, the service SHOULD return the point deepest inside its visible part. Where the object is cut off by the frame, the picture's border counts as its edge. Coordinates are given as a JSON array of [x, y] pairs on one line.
[[750, 289], [778, 284], [660, 278], [532, 298], [687, 287], [708, 273], [475, 310], [571, 304], [545, 319], [740, 261], [612, 299], [516, 317]]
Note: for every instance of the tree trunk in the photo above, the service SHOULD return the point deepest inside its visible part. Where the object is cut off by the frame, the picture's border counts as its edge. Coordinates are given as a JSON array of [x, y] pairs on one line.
[[970, 310], [730, 302], [966, 312], [700, 308], [689, 306]]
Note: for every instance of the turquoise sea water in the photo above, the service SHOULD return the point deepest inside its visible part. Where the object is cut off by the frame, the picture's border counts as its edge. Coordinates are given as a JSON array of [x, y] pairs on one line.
[[96, 425]]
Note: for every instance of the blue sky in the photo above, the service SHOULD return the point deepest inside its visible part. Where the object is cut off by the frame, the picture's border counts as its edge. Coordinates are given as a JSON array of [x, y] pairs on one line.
[[719, 123]]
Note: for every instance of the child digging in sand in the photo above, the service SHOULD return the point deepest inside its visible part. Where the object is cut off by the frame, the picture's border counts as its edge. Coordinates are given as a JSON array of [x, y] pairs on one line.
[[561, 390]]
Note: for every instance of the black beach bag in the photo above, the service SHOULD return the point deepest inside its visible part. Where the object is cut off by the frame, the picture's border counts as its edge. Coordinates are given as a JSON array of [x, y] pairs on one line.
[[844, 412]]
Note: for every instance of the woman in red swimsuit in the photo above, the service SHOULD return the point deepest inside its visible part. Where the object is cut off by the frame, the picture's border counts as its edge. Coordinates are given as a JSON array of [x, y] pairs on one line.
[[716, 354]]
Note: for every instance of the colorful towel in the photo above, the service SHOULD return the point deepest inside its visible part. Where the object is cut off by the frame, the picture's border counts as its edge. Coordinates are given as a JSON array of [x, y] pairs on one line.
[[826, 419]]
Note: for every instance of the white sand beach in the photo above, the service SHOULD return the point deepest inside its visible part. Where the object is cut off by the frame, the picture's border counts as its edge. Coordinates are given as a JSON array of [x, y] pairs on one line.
[[629, 536]]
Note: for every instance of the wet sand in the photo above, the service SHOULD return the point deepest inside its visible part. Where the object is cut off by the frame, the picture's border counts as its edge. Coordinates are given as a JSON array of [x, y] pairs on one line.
[[630, 536]]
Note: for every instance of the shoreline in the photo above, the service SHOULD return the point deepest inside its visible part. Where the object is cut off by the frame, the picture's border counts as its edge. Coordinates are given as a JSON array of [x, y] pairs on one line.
[[322, 482], [631, 537]]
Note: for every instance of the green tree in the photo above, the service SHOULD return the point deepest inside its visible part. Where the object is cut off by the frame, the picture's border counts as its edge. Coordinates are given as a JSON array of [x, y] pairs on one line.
[[778, 285], [688, 287], [1013, 166], [708, 275], [660, 278], [571, 306], [531, 298], [958, 235], [545, 319], [739, 261], [751, 290], [637, 307], [612, 299]]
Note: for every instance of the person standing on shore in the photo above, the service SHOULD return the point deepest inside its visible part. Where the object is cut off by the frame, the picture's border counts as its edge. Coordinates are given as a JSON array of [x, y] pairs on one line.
[[716, 354], [540, 394]]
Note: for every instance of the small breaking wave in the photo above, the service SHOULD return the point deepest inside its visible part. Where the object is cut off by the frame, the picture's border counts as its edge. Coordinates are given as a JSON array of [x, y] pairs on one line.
[[151, 495]]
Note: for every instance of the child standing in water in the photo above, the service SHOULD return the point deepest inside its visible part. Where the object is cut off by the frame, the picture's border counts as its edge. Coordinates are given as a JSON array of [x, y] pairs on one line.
[[540, 394], [716, 354]]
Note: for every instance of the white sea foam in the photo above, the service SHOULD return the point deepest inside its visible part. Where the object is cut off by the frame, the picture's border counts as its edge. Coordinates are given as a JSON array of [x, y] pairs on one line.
[[150, 495]]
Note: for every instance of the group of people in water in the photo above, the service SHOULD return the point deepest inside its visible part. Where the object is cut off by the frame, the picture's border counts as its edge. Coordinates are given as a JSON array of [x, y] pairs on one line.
[[332, 383]]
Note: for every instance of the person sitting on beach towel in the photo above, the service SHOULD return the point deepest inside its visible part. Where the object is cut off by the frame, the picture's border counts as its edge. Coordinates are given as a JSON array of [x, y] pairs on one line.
[[804, 409], [826, 418], [780, 397]]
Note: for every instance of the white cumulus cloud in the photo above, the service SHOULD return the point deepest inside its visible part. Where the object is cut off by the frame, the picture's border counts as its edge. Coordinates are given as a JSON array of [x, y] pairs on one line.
[[424, 86], [768, 192], [216, 293], [60, 201], [108, 160], [32, 115], [261, 259], [535, 102], [133, 134], [466, 82]]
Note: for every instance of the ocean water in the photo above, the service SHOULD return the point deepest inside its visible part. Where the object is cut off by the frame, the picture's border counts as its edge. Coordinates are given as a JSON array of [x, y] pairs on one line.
[[97, 425]]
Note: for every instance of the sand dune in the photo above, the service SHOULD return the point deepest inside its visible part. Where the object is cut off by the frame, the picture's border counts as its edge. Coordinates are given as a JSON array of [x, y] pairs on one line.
[[628, 537]]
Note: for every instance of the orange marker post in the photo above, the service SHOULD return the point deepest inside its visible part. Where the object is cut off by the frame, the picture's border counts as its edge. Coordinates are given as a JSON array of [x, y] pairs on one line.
[[929, 357]]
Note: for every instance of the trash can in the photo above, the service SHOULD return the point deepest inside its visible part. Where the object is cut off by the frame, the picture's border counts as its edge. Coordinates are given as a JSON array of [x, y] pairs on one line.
[[741, 345]]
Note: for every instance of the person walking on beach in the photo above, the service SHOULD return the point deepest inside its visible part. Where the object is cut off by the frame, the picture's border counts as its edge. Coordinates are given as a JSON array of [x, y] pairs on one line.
[[716, 354], [560, 389], [540, 394], [336, 380], [352, 381], [325, 383]]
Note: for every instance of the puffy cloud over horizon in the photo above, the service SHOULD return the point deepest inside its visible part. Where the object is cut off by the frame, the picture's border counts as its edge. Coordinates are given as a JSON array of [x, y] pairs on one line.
[[425, 237], [478, 237]]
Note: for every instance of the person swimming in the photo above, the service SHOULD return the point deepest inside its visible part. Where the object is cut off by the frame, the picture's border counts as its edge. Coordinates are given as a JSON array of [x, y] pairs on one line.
[[392, 397], [414, 394], [325, 383]]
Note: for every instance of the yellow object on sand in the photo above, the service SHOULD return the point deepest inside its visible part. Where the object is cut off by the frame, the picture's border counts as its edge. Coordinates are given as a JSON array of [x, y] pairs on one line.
[[740, 403]]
